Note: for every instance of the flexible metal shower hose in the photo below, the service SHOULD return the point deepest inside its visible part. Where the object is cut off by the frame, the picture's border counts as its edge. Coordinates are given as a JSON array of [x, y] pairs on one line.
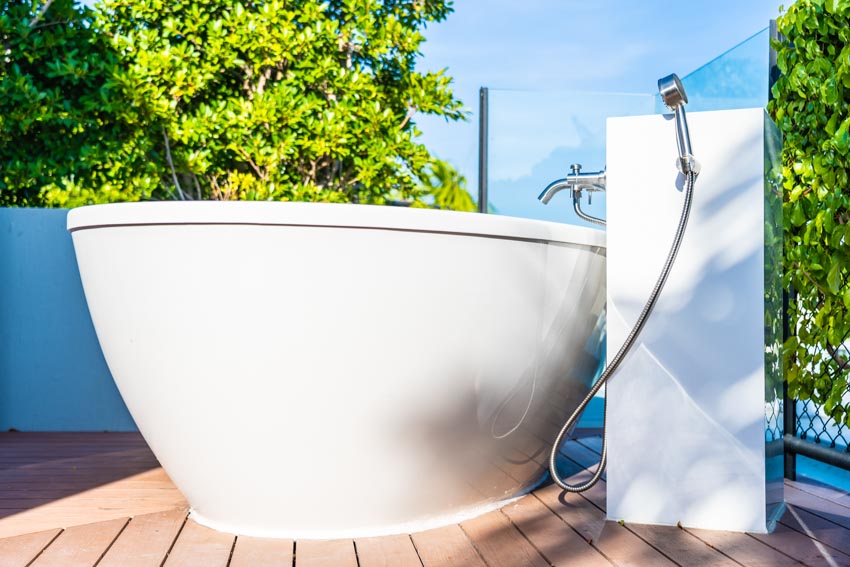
[[621, 354], [582, 215]]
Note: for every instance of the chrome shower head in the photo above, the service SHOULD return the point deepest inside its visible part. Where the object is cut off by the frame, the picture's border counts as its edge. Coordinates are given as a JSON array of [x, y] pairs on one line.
[[672, 92], [673, 96]]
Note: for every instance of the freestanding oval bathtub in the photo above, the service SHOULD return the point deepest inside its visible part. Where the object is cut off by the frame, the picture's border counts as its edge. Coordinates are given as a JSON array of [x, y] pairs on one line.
[[320, 371]]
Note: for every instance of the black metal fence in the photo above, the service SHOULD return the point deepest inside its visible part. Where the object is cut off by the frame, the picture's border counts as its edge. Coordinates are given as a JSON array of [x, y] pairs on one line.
[[809, 430]]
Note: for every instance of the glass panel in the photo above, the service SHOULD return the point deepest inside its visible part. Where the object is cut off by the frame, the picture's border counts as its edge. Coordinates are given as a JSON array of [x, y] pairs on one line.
[[738, 78], [534, 136]]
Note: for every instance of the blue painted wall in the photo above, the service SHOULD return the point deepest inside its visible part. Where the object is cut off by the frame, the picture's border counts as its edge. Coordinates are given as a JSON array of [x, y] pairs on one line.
[[52, 373]]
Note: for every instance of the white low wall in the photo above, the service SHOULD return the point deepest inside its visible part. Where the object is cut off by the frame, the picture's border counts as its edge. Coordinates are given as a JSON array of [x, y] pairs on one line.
[[52, 373]]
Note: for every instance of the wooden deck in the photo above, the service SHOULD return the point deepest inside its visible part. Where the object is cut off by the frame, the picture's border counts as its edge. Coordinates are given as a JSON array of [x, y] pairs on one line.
[[101, 499]]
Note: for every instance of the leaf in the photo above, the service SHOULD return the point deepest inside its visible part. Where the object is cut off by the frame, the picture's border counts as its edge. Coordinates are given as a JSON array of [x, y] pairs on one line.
[[833, 277]]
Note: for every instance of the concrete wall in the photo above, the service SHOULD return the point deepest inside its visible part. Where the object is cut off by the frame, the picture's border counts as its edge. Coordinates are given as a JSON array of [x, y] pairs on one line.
[[52, 373]]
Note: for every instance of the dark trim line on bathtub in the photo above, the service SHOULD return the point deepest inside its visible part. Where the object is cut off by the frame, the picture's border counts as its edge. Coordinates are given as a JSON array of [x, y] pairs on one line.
[[306, 225]]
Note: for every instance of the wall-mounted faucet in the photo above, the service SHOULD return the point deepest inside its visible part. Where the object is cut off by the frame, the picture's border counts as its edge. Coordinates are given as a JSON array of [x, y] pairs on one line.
[[577, 181]]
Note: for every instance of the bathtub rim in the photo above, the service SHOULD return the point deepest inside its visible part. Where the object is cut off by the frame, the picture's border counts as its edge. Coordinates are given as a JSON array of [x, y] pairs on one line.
[[328, 215]]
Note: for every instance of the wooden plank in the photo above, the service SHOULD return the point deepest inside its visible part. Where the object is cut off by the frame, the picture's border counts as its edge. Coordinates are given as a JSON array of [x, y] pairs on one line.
[[826, 509], [553, 537], [624, 548], [446, 547], [81, 545], [500, 543], [616, 542], [58, 481], [670, 541], [592, 442], [821, 490], [32, 493], [20, 550], [200, 546], [56, 458], [802, 548], [145, 541], [680, 546], [30, 503], [49, 437], [584, 517], [579, 433], [581, 454], [818, 528], [387, 551], [255, 551], [325, 553], [112, 497], [744, 549]]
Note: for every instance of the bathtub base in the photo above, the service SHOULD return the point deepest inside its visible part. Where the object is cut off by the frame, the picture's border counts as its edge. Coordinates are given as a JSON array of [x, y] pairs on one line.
[[394, 529]]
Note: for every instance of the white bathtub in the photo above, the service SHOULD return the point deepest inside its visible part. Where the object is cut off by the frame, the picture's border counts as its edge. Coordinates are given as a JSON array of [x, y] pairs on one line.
[[320, 371]]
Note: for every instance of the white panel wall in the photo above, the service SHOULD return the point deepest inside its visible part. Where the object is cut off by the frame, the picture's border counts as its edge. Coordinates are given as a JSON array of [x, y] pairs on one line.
[[687, 409]]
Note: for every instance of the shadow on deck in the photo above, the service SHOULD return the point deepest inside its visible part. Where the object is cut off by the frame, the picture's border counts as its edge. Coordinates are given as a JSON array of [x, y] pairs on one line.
[[101, 499]]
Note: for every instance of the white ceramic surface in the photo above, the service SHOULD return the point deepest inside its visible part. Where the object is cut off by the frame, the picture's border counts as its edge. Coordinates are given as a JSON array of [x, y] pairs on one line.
[[689, 438], [317, 371]]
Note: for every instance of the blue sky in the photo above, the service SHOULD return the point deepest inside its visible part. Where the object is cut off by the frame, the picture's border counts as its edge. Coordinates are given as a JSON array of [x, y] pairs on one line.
[[531, 52]]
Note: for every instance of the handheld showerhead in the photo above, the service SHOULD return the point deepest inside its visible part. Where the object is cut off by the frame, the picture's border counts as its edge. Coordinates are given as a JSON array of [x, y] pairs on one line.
[[672, 92], [673, 96]]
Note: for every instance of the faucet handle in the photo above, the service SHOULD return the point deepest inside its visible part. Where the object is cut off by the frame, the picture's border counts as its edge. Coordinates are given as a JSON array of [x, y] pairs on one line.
[[575, 168]]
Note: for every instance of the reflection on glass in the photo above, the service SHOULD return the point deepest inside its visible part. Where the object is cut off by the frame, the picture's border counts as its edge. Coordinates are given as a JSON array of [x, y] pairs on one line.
[[534, 136], [739, 78]]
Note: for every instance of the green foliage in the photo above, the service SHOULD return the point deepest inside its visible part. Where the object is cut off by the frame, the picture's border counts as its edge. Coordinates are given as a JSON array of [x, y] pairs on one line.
[[447, 187], [811, 106], [220, 99], [58, 126]]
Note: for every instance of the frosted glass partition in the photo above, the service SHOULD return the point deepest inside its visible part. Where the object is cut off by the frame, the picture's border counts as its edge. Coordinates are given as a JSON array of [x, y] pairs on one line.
[[739, 78], [534, 137]]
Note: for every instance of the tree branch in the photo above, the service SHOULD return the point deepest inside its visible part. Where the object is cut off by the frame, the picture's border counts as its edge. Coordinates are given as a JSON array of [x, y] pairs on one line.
[[253, 165], [171, 165], [843, 364], [56, 23], [407, 117], [41, 12], [167, 190], [811, 279], [197, 187]]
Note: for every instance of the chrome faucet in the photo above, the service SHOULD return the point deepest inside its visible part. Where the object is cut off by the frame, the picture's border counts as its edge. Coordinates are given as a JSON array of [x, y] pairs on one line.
[[577, 182]]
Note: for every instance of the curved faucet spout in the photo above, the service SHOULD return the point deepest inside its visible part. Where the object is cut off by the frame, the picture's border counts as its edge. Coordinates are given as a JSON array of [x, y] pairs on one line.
[[589, 181], [554, 187], [577, 182]]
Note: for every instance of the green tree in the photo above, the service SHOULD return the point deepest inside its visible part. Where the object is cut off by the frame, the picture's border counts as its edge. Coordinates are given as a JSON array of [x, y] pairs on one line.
[[811, 106], [218, 99], [58, 127], [447, 188]]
